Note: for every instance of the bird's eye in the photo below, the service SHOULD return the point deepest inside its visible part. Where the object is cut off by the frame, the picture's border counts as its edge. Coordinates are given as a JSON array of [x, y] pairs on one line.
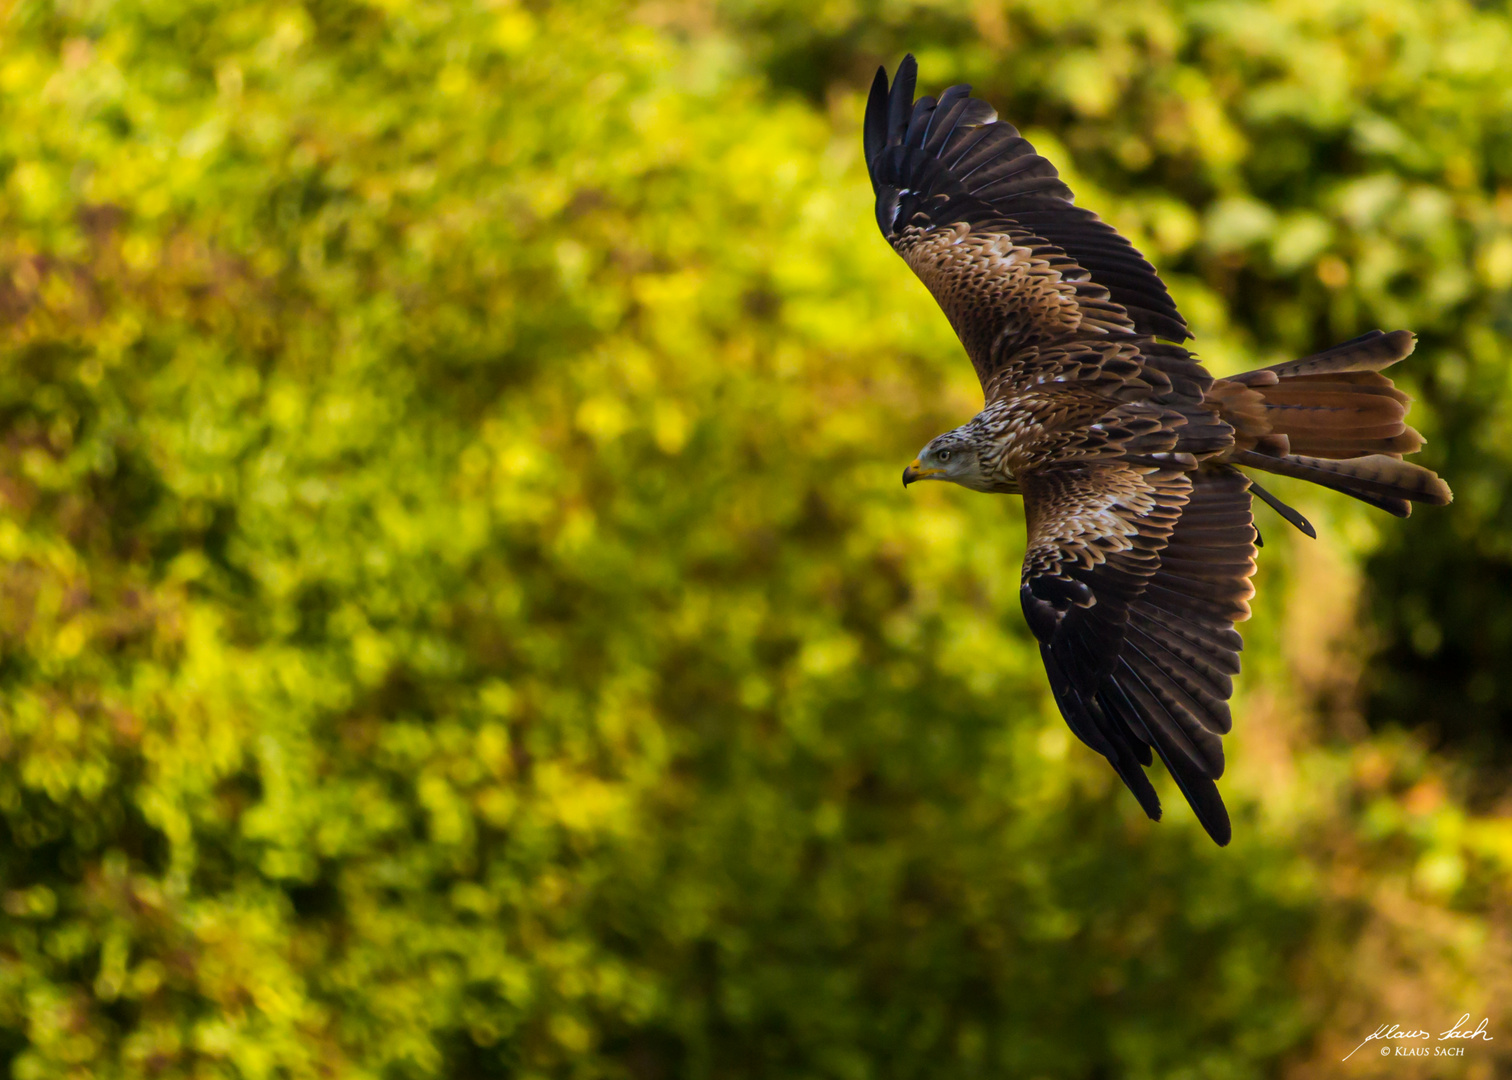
[[944, 455]]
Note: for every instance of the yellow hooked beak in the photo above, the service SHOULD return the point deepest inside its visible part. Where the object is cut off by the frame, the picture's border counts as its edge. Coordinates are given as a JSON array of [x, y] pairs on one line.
[[918, 472]]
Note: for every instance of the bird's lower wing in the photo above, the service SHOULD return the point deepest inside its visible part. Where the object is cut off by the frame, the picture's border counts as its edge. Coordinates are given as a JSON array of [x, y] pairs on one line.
[[1132, 583], [1095, 536], [1174, 676]]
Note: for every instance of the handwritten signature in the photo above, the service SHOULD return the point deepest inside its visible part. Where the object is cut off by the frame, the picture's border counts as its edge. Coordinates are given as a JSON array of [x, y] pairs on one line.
[[1396, 1031]]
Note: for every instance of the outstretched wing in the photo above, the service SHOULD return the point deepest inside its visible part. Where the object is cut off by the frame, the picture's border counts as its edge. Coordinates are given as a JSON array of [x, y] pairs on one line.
[[991, 229], [1133, 580], [1095, 537]]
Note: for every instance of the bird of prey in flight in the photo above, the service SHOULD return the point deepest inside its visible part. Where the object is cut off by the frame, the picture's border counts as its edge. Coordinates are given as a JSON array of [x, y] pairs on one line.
[[1127, 452]]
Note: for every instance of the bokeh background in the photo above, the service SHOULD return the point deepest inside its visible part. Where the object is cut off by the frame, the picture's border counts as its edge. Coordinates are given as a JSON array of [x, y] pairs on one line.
[[458, 612]]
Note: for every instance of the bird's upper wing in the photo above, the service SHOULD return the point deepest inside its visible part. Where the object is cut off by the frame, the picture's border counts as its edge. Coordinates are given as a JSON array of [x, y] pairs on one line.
[[1133, 579], [990, 228]]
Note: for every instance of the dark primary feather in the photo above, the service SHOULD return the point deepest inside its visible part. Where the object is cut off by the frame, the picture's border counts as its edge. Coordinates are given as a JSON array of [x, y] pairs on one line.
[[947, 113], [874, 129]]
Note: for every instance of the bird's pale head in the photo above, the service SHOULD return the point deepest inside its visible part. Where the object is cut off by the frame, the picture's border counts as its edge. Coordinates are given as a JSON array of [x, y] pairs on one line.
[[959, 457]]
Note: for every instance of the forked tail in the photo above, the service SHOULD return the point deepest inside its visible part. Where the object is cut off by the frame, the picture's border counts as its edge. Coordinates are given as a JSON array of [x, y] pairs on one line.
[[1334, 419]]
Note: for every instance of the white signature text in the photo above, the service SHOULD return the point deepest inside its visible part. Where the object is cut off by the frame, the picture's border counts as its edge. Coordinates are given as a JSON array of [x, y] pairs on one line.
[[1395, 1032]]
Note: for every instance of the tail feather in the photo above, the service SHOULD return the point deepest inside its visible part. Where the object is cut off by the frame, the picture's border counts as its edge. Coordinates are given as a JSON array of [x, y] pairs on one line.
[[1344, 415], [1368, 352], [1343, 445], [1333, 419], [1379, 479]]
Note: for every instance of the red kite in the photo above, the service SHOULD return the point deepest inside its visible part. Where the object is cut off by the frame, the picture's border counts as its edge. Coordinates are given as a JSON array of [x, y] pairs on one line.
[[1125, 449]]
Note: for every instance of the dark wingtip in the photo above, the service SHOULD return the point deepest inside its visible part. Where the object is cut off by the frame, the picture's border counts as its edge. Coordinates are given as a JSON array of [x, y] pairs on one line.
[[1138, 782], [874, 130], [900, 100], [1202, 796]]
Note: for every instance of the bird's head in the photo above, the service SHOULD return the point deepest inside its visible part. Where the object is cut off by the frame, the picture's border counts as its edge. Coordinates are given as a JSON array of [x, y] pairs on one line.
[[956, 456]]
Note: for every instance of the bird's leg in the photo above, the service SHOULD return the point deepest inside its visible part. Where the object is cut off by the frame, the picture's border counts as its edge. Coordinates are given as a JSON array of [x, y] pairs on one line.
[[1303, 525]]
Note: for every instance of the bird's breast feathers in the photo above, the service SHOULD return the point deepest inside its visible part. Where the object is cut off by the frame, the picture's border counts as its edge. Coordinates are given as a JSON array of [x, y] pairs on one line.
[[1045, 424]]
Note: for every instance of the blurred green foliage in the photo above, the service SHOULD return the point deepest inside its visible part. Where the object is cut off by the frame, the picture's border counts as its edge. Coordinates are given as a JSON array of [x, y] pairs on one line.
[[459, 616]]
